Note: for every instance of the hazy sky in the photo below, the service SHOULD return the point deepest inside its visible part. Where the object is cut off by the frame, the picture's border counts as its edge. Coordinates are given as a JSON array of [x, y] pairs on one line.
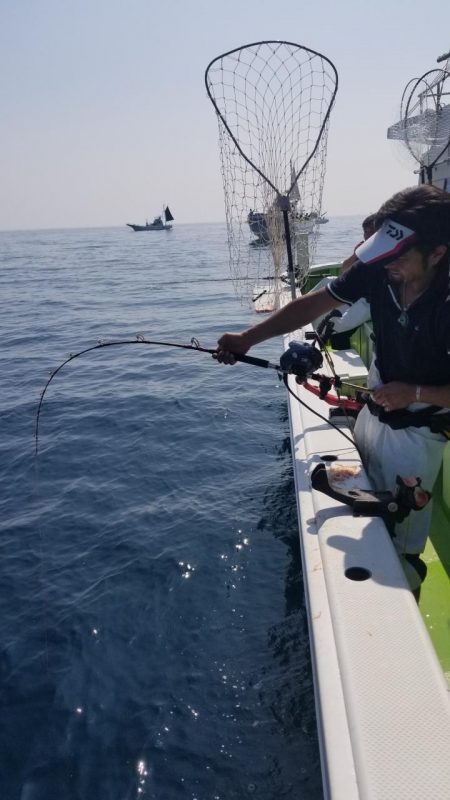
[[105, 115]]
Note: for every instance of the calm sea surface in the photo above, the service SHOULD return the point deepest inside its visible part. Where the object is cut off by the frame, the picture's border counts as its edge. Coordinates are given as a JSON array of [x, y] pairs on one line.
[[153, 631]]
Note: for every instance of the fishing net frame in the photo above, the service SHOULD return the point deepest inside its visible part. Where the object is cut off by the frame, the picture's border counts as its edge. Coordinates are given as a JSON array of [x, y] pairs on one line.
[[273, 101], [424, 126]]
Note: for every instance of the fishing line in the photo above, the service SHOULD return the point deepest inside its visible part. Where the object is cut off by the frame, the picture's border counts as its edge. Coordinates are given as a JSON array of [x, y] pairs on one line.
[[234, 279], [332, 425]]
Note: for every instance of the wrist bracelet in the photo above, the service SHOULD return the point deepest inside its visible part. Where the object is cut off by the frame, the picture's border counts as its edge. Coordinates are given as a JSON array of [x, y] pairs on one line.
[[418, 392]]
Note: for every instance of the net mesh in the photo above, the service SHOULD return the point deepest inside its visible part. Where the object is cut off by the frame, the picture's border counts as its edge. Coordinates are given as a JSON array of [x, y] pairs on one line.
[[424, 126], [273, 101]]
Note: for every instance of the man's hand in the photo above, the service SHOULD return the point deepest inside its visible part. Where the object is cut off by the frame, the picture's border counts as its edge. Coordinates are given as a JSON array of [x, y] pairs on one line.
[[228, 344], [394, 395]]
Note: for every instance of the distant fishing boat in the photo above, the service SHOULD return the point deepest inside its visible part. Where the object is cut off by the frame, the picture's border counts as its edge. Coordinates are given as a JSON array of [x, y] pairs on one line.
[[302, 221], [158, 224]]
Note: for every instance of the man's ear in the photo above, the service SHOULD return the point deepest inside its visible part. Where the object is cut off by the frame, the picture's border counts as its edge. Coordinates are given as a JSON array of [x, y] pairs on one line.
[[437, 254]]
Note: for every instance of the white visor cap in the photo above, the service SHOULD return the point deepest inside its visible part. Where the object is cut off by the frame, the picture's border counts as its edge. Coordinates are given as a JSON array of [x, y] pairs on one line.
[[387, 243]]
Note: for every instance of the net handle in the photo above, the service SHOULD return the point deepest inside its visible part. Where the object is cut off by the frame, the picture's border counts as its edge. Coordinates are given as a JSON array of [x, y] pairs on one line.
[[325, 120]]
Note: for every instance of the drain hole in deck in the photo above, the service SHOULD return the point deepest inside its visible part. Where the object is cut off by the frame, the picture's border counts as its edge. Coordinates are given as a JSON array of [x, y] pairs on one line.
[[358, 573]]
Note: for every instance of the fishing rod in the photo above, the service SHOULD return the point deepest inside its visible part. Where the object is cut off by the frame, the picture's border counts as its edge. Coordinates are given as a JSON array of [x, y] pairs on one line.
[[142, 340], [300, 359]]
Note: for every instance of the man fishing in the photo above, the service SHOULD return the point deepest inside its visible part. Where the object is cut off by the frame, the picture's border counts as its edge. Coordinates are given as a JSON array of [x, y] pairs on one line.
[[403, 272]]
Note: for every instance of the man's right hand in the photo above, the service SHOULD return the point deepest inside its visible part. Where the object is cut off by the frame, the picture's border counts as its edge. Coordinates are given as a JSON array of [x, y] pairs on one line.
[[228, 344]]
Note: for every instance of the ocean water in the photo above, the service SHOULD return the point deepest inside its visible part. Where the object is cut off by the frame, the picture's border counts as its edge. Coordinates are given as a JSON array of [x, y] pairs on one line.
[[153, 638]]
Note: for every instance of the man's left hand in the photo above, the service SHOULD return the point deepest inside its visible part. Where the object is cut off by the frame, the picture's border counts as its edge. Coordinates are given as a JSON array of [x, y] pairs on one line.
[[395, 395]]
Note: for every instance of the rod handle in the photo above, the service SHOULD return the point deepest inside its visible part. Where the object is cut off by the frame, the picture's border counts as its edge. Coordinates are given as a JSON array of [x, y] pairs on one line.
[[256, 362]]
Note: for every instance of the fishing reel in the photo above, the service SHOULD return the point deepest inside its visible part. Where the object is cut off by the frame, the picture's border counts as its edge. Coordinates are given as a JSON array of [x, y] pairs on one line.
[[301, 359]]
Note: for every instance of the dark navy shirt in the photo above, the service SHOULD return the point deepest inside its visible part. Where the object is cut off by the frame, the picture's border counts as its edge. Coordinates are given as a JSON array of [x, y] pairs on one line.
[[417, 352]]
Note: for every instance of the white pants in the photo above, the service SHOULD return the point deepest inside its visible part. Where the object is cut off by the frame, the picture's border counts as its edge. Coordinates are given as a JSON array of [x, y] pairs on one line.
[[387, 453]]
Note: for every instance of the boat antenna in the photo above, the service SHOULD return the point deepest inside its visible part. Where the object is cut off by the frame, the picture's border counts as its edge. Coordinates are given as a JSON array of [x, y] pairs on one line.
[[273, 101], [424, 126]]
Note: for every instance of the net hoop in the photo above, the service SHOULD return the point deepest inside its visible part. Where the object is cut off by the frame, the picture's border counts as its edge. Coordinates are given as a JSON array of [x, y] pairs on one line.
[[420, 124], [224, 122], [273, 100]]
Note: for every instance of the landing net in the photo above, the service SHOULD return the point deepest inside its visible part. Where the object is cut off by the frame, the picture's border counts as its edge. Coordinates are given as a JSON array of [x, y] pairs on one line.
[[273, 101], [424, 126]]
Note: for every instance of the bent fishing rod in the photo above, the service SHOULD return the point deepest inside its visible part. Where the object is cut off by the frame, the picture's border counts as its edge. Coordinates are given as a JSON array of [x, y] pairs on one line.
[[301, 359]]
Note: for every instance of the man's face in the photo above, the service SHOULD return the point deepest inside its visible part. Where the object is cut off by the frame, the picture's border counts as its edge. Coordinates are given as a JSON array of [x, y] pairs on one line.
[[410, 266]]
